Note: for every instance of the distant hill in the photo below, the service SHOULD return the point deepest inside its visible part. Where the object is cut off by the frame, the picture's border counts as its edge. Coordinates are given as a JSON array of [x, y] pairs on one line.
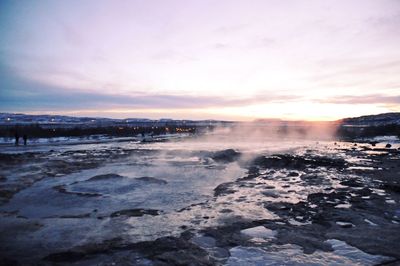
[[373, 120], [13, 118], [60, 121], [387, 124], [369, 126], [49, 126]]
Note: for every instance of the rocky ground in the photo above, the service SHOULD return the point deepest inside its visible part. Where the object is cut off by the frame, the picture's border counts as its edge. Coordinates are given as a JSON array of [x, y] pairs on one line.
[[328, 204]]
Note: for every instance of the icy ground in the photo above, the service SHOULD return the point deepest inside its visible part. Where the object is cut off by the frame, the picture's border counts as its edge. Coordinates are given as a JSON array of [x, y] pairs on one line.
[[203, 201]]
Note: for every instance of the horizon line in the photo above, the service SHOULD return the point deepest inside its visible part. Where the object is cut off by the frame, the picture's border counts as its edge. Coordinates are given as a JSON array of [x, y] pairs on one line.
[[205, 119]]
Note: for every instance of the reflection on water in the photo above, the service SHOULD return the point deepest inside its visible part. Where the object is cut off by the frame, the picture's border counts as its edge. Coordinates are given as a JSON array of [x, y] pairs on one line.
[[343, 254]]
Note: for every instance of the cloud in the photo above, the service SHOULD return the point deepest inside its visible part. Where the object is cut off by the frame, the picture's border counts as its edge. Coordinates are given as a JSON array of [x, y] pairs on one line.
[[366, 73], [20, 94], [390, 22], [364, 99], [71, 36], [231, 29], [220, 46], [361, 65]]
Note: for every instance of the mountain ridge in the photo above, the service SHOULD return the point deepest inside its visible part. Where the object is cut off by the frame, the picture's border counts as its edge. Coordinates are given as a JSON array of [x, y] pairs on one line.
[[10, 118]]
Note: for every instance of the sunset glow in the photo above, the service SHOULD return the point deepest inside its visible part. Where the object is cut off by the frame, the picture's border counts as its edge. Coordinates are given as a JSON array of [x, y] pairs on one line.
[[311, 60]]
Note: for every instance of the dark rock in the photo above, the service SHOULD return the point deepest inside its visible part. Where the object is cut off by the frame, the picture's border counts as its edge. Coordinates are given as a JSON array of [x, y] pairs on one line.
[[224, 189], [278, 206], [298, 162], [134, 212], [225, 156], [391, 187], [307, 237], [8, 262], [62, 189], [270, 194], [364, 192], [293, 174], [78, 216], [230, 235], [4, 193], [172, 251], [152, 180], [373, 143], [253, 170], [105, 177], [68, 256], [225, 211], [315, 197], [248, 177], [352, 183], [183, 257], [388, 145]]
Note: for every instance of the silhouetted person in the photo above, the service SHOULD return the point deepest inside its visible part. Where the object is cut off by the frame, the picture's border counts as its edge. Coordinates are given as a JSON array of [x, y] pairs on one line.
[[25, 137], [16, 139]]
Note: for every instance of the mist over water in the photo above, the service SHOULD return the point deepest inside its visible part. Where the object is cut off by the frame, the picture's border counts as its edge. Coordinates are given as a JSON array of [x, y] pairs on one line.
[[257, 137], [255, 184]]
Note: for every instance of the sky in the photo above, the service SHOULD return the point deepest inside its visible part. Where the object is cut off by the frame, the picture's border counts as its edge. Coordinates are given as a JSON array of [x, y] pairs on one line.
[[221, 59]]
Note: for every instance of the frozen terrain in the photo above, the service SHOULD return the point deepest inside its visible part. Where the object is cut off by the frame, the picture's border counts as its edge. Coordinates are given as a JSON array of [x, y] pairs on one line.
[[203, 201]]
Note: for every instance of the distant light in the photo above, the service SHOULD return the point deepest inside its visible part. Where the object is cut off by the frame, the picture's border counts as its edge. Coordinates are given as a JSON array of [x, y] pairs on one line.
[[8, 119]]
